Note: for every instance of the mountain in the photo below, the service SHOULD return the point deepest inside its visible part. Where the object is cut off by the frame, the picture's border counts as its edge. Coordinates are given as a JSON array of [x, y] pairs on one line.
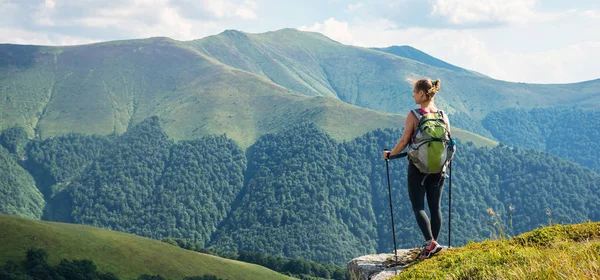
[[126, 255], [312, 64], [272, 143], [417, 55], [104, 88], [242, 84]]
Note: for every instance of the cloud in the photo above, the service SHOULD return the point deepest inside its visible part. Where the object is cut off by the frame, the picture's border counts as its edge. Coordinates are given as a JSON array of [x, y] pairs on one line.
[[217, 9], [26, 37], [50, 4], [572, 63], [115, 19], [455, 14], [45, 12], [488, 11], [336, 30], [469, 49], [593, 14], [224, 8], [354, 7]]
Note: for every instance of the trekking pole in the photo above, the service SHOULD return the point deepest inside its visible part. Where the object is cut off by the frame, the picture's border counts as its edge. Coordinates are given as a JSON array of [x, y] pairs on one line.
[[387, 167], [450, 205]]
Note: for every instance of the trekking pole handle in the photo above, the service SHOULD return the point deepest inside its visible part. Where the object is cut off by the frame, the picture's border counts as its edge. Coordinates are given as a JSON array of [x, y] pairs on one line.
[[400, 155]]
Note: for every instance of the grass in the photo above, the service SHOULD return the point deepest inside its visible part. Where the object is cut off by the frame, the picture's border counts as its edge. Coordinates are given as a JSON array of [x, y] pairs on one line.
[[477, 139], [125, 255], [554, 252]]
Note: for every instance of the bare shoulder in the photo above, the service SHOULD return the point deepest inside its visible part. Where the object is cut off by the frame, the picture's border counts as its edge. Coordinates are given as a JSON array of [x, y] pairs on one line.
[[411, 116], [411, 119]]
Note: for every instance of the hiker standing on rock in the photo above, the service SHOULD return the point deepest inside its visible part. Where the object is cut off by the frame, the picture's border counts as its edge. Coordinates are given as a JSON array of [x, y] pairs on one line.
[[430, 149]]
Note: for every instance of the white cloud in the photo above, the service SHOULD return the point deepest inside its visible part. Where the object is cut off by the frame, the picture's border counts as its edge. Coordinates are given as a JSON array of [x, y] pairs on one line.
[[45, 12], [593, 14], [336, 30], [354, 7], [245, 13], [230, 8], [50, 4], [143, 19], [26, 37], [489, 11], [115, 19], [576, 62]]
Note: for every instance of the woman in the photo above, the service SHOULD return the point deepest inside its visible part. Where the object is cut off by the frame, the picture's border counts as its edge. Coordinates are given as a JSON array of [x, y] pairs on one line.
[[421, 184]]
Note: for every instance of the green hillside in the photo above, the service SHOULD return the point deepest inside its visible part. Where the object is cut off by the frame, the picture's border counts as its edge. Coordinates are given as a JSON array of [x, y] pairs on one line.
[[105, 88], [313, 64], [553, 252], [126, 255], [18, 192], [570, 132]]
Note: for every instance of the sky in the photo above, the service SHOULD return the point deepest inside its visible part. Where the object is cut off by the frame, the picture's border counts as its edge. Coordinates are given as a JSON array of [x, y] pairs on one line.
[[533, 41]]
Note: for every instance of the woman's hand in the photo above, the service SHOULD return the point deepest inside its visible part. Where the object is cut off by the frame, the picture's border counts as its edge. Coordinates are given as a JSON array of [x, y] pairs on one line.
[[386, 154]]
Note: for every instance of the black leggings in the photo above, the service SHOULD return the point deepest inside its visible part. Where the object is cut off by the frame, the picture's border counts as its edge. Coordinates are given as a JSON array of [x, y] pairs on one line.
[[432, 186]]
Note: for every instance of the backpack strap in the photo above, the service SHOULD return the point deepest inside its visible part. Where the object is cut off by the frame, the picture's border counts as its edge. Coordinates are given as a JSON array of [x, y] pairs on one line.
[[420, 117], [442, 114], [417, 114]]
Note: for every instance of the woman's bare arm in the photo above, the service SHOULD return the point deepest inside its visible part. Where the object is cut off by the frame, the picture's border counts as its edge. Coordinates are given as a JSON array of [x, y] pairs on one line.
[[409, 128], [447, 123]]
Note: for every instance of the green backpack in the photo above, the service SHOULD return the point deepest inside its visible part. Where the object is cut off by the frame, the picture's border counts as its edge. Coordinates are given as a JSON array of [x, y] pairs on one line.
[[431, 148]]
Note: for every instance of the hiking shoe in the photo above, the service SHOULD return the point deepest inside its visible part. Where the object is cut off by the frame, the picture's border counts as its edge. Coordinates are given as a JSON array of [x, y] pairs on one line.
[[430, 248]]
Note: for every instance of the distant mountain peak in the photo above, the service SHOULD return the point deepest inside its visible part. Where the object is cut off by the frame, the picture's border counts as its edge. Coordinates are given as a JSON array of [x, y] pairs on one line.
[[232, 32], [420, 56]]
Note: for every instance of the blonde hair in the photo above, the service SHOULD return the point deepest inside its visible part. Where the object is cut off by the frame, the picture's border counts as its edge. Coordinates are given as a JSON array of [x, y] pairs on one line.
[[428, 87]]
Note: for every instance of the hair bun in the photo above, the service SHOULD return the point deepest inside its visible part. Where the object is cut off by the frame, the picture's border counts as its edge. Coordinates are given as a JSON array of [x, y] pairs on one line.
[[435, 87]]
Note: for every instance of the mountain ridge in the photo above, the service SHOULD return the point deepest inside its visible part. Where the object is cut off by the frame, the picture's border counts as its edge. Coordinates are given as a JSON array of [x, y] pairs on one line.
[[288, 51]]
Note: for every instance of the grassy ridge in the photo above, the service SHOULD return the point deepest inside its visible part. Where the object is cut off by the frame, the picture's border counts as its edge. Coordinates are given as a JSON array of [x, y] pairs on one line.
[[417, 55], [312, 64], [108, 87], [556, 252], [244, 85], [125, 255]]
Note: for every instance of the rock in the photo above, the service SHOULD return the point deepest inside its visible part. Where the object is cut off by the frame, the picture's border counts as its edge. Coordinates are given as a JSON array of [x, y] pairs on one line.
[[381, 266]]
